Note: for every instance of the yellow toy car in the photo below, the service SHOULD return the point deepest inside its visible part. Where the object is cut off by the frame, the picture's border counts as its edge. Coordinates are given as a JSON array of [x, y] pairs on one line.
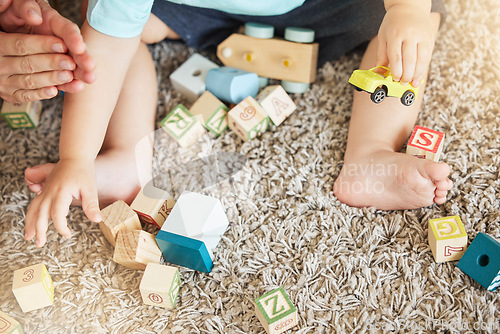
[[382, 85]]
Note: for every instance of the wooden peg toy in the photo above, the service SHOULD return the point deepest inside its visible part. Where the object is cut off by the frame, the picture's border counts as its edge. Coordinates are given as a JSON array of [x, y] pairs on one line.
[[425, 143], [118, 216], [190, 77], [135, 249], [152, 205], [33, 287], [24, 115], [276, 103], [160, 285], [213, 111], [248, 119], [481, 261], [9, 325], [447, 238], [182, 126], [276, 312], [231, 84]]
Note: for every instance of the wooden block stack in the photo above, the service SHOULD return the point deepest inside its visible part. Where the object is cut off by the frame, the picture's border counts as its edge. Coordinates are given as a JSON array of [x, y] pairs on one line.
[[33, 287], [276, 312]]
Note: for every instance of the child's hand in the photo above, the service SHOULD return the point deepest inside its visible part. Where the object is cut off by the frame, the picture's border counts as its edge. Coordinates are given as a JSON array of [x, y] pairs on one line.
[[405, 43], [70, 179]]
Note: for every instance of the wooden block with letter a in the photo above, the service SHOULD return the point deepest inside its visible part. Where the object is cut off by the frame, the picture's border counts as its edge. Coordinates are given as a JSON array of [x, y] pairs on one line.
[[9, 325], [118, 216], [213, 111], [33, 287], [425, 143], [153, 205], [160, 285], [135, 249], [182, 126], [248, 119], [276, 312], [276, 102], [25, 115], [447, 238]]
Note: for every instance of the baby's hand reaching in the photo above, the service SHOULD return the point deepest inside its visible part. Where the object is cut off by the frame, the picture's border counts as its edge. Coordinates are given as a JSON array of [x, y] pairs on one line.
[[70, 179], [405, 42]]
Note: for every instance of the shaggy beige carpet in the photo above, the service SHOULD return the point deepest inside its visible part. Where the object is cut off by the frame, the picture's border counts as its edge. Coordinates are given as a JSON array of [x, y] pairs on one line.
[[346, 269]]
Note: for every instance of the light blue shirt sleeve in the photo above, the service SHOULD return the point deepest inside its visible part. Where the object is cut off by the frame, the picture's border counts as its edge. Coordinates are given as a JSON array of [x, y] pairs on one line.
[[246, 7], [119, 18]]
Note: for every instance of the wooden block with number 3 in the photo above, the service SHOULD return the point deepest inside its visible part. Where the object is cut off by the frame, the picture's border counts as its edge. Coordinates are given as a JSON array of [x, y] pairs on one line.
[[135, 249], [182, 126], [248, 119], [213, 111], [276, 102], [153, 205], [276, 312], [160, 285], [425, 143], [33, 287], [118, 216], [9, 325]]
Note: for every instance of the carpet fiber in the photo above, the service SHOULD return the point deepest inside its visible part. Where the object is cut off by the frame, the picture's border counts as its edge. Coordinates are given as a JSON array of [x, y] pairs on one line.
[[346, 269]]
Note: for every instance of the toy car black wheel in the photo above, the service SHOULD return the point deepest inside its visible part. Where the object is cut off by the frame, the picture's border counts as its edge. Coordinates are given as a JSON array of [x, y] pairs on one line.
[[408, 98], [378, 95]]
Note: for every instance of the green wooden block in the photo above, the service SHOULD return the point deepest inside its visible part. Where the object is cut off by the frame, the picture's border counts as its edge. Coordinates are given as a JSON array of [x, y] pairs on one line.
[[24, 115], [182, 126], [276, 312]]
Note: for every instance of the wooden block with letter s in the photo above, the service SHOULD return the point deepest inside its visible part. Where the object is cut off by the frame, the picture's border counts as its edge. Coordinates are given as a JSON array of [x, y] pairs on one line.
[[425, 143], [33, 287]]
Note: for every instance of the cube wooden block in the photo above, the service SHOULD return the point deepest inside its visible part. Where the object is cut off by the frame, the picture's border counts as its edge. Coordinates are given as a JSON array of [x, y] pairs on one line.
[[276, 102], [481, 261], [231, 84], [33, 287], [152, 205], [213, 111], [160, 285], [248, 119], [135, 249], [9, 325], [276, 312], [24, 115], [425, 143], [190, 77], [447, 238], [118, 216], [182, 126]]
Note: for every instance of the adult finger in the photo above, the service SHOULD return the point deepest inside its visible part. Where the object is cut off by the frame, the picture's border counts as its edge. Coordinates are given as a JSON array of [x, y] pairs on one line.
[[394, 55], [22, 96], [4, 5], [36, 64], [29, 11], [23, 44], [409, 51], [72, 87], [38, 80]]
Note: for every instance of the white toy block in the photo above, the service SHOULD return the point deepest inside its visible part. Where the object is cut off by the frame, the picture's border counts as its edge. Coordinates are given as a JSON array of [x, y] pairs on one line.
[[276, 103], [135, 249], [25, 115], [152, 205], [118, 216], [276, 312], [213, 111], [160, 285], [9, 325], [248, 119], [425, 143], [182, 126], [190, 77], [447, 238], [33, 287]]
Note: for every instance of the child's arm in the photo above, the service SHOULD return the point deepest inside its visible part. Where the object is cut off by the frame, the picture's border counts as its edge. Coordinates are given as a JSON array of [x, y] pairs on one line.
[[85, 119], [406, 39]]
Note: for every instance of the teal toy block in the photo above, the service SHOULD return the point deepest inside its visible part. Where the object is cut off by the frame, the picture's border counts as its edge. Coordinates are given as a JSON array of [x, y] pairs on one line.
[[481, 261], [232, 85]]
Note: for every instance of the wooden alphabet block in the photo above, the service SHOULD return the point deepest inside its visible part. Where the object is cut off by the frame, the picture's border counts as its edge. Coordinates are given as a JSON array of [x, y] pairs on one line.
[[33, 287], [24, 115], [135, 249], [481, 261], [276, 103], [190, 77], [9, 325], [276, 312], [425, 143], [213, 111], [447, 238], [160, 285], [182, 126], [152, 205], [248, 119], [118, 216], [231, 84]]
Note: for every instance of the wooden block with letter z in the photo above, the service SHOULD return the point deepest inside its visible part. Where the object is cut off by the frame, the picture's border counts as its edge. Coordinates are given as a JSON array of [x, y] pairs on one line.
[[276, 312], [213, 111], [248, 119], [152, 205], [447, 238], [160, 285], [425, 143], [135, 249], [182, 126], [33, 287], [118, 216], [276, 102], [25, 115], [9, 325]]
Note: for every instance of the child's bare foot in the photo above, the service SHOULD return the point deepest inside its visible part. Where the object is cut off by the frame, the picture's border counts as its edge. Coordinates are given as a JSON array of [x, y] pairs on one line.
[[388, 180]]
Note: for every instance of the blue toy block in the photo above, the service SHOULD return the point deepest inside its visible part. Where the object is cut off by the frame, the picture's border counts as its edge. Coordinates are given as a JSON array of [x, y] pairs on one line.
[[232, 85], [184, 251], [481, 261]]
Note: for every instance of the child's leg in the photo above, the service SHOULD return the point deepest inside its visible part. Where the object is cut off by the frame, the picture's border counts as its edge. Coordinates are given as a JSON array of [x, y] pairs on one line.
[[374, 172]]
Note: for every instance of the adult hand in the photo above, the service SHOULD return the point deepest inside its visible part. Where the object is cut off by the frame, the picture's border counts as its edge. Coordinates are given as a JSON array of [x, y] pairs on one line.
[[40, 52]]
